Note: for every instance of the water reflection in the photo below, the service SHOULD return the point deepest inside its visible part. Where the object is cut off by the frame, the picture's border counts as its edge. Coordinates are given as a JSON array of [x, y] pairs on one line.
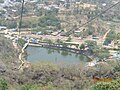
[[64, 53], [36, 54]]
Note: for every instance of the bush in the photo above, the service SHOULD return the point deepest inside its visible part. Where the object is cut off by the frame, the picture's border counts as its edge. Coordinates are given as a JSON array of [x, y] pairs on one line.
[[102, 54], [107, 41], [49, 21], [69, 39], [101, 86], [117, 68], [28, 87], [38, 86], [114, 85], [82, 46], [3, 84], [110, 37], [11, 24], [21, 42]]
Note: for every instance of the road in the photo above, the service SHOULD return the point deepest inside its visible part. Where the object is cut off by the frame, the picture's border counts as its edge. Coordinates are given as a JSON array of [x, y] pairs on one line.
[[74, 40]]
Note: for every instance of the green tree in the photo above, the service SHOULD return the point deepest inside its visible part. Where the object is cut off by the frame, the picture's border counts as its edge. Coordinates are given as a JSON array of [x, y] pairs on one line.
[[101, 86], [49, 41], [82, 46], [114, 85], [117, 67], [49, 21], [28, 87], [21, 42], [18, 7], [118, 36], [11, 24], [69, 39], [65, 44], [3, 84], [59, 41], [107, 41], [110, 37], [102, 54], [2, 22], [91, 44], [90, 30]]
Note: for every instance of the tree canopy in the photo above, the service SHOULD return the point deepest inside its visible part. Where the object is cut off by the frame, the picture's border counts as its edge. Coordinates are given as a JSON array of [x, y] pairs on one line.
[[49, 21]]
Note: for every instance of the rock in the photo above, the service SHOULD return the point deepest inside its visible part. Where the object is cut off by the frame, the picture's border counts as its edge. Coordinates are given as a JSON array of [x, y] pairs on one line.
[[2, 67]]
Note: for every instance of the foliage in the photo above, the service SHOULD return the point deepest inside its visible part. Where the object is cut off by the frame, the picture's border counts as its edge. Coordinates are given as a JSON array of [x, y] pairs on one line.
[[82, 46], [29, 22], [102, 54], [39, 86], [110, 37], [101, 86], [118, 36], [65, 44], [59, 41], [117, 67], [11, 24], [18, 7], [90, 30], [107, 41], [2, 21], [8, 24], [2, 12], [3, 84], [69, 39], [114, 85], [64, 53], [64, 78], [28, 87], [48, 41], [92, 45], [49, 21], [21, 42], [42, 11], [7, 51]]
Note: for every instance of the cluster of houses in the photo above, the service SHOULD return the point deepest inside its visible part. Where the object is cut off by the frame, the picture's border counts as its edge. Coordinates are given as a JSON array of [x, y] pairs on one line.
[[8, 10], [8, 5]]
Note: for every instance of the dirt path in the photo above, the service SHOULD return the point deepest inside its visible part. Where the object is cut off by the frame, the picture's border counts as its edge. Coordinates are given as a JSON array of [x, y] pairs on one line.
[[21, 55]]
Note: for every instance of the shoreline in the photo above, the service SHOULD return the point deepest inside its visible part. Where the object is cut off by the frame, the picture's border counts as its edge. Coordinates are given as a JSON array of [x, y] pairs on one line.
[[86, 53], [22, 55]]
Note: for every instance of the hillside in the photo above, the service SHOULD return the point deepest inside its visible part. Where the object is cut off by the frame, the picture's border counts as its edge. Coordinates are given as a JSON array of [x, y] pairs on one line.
[[85, 27], [8, 55], [46, 76]]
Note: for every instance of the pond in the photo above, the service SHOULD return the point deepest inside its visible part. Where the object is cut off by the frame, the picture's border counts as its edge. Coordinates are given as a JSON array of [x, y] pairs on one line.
[[40, 54]]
